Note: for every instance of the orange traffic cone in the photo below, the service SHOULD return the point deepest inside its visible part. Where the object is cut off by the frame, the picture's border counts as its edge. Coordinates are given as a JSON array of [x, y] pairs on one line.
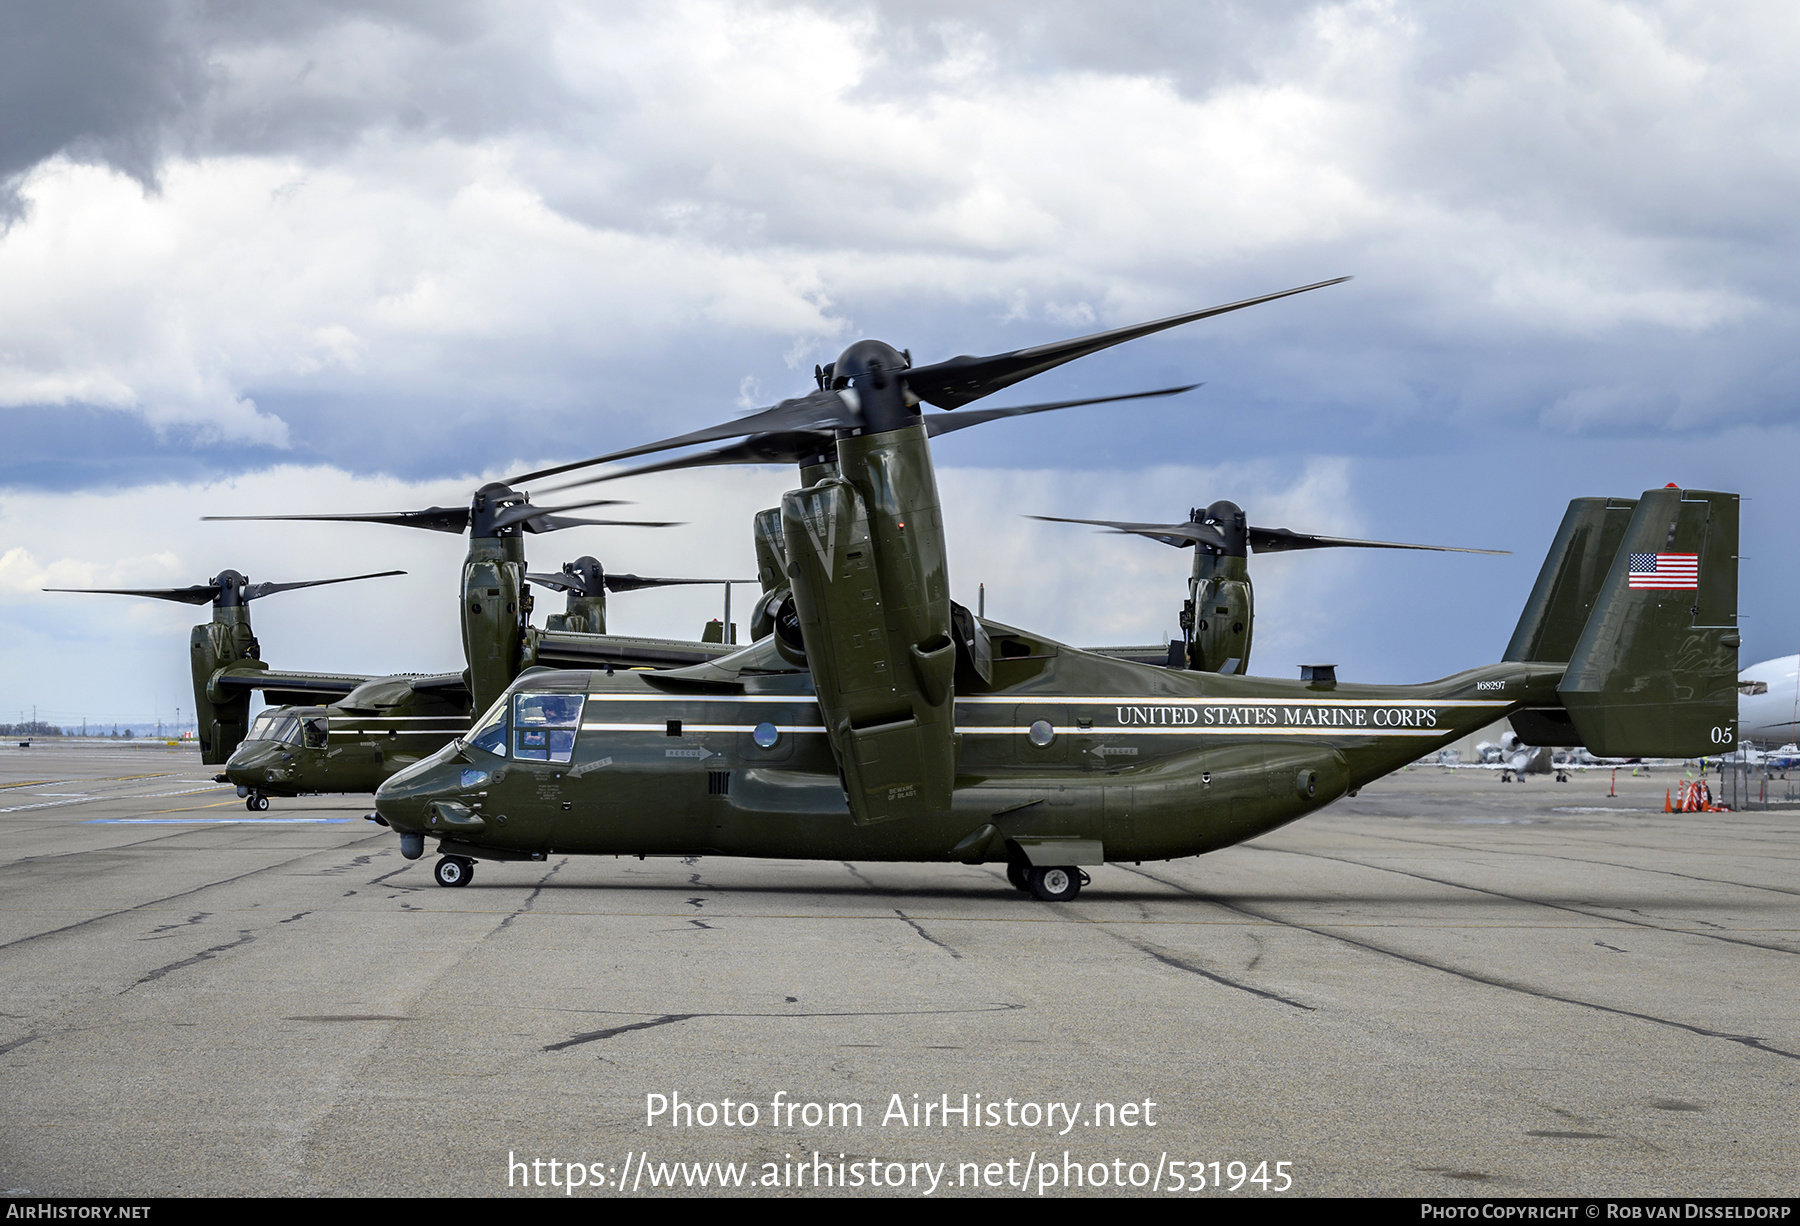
[[1668, 806]]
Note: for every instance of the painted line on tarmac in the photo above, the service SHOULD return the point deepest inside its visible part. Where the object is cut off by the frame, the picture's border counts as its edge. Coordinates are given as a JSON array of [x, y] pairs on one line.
[[216, 821], [51, 804], [93, 798]]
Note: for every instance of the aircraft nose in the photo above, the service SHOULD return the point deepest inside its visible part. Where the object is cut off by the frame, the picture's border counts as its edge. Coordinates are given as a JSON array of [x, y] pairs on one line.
[[252, 762], [402, 798]]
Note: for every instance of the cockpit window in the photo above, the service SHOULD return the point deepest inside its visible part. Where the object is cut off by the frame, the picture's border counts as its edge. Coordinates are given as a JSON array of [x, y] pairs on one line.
[[544, 726], [490, 733], [275, 726]]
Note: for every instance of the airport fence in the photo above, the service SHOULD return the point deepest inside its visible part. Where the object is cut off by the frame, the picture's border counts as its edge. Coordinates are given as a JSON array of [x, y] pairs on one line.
[[1753, 785]]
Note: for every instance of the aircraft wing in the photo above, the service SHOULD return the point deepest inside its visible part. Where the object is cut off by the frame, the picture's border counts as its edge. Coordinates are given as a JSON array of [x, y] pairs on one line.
[[571, 649], [442, 681], [282, 688], [1149, 653]]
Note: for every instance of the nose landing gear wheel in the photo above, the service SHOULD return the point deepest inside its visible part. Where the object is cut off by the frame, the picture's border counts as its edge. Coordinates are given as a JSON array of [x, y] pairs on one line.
[[256, 802], [1056, 884], [454, 871]]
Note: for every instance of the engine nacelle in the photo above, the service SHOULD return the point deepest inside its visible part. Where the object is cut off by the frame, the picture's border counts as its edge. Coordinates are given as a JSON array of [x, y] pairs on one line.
[[222, 716], [493, 618], [872, 600], [1220, 614]]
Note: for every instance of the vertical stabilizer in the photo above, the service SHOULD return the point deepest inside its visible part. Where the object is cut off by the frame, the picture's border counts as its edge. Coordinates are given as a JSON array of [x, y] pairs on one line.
[[1571, 580], [1654, 672]]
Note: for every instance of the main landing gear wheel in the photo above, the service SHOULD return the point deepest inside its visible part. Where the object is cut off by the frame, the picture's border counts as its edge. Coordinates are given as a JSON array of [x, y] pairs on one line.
[[454, 870], [1056, 884], [1016, 872], [256, 802]]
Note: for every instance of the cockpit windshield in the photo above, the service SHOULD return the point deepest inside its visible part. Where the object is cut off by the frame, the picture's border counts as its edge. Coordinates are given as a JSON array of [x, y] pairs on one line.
[[543, 727], [490, 734], [275, 726]]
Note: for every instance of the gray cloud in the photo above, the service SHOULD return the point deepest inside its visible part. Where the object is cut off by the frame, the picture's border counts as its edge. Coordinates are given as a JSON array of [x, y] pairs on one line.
[[96, 79]]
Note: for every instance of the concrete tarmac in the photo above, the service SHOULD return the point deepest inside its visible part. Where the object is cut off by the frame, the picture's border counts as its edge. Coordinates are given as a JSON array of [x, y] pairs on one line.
[[1445, 986]]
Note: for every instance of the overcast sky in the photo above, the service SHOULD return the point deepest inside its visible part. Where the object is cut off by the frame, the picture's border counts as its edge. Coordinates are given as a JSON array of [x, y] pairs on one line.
[[342, 256]]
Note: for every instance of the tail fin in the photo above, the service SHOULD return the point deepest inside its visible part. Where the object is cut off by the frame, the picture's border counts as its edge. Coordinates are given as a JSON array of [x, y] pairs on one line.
[[1571, 579], [1654, 672], [1570, 582]]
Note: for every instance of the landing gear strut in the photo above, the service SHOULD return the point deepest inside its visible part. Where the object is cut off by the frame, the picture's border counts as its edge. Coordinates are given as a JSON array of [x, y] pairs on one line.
[[454, 871]]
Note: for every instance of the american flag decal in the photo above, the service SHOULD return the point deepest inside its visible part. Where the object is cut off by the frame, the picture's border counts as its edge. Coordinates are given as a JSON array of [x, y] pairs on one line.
[[1665, 571]]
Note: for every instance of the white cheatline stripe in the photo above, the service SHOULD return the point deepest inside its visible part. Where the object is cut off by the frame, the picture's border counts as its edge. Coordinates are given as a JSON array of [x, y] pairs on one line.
[[1103, 700], [398, 731], [1250, 730], [992, 729], [687, 727], [790, 700], [1108, 701]]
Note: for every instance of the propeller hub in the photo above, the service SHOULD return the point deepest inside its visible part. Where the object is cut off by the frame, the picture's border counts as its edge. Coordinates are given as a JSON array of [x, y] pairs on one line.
[[490, 500], [1228, 518], [874, 369], [586, 575], [231, 587]]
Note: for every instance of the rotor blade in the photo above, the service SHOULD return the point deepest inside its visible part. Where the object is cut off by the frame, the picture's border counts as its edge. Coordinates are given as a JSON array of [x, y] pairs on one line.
[[632, 583], [949, 422], [200, 593], [258, 590], [525, 510], [436, 519], [786, 447], [1280, 540], [553, 523], [796, 446], [557, 583], [813, 411], [1179, 535], [958, 381]]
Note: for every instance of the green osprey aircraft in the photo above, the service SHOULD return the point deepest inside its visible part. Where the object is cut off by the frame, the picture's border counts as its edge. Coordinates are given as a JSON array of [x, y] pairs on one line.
[[226, 659], [881, 721], [386, 723], [1218, 618]]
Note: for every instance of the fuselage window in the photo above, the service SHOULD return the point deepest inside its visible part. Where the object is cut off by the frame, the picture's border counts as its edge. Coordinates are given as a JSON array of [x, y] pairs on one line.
[[544, 726]]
